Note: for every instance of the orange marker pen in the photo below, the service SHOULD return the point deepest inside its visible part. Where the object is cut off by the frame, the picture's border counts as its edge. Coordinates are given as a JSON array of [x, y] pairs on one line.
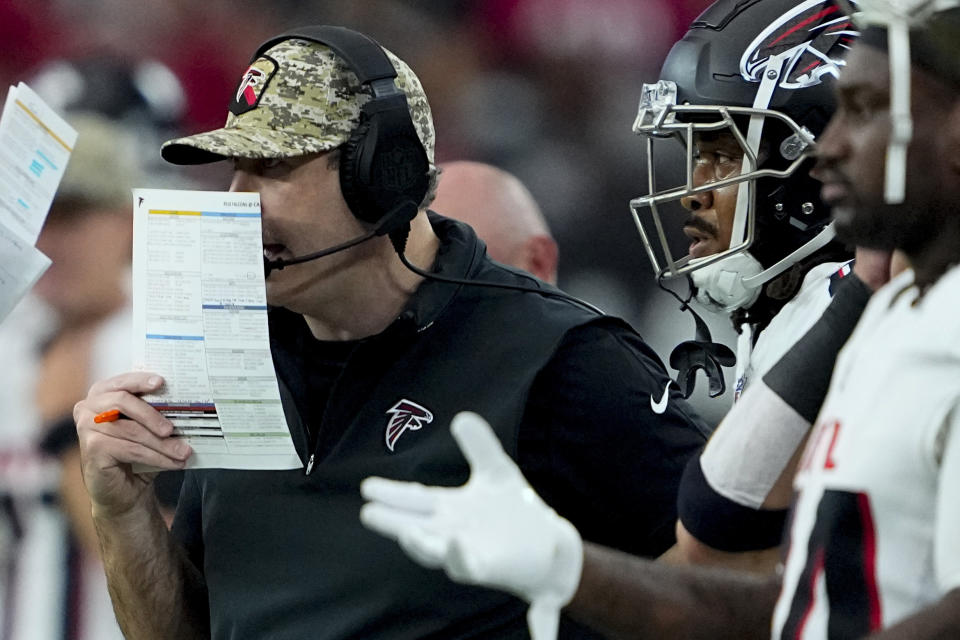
[[107, 416]]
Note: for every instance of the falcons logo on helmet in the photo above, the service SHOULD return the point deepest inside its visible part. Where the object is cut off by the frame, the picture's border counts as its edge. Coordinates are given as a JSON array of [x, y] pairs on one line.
[[813, 31], [406, 415]]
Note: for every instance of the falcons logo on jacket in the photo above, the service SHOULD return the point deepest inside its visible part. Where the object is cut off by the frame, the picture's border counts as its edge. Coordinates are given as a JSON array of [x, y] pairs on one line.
[[405, 415]]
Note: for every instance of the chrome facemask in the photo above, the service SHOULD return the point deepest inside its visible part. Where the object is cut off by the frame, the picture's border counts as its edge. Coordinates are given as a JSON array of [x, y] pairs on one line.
[[660, 117]]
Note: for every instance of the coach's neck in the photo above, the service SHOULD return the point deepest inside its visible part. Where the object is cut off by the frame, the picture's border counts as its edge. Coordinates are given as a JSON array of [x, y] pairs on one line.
[[376, 297]]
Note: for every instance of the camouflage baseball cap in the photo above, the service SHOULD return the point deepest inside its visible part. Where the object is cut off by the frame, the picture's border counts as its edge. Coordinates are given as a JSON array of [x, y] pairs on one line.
[[297, 98]]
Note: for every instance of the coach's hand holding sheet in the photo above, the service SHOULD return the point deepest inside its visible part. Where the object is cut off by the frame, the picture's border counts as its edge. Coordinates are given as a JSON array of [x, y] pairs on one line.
[[494, 531], [141, 436]]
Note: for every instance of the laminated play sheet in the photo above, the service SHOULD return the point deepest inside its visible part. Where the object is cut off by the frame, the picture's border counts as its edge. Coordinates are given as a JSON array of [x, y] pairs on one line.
[[200, 321]]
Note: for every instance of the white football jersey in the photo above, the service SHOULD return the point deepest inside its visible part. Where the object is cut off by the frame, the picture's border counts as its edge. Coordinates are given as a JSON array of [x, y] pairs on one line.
[[791, 322], [878, 504], [746, 454]]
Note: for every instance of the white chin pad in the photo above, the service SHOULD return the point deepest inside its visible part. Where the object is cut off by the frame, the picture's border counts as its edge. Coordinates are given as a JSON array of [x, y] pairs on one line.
[[720, 286]]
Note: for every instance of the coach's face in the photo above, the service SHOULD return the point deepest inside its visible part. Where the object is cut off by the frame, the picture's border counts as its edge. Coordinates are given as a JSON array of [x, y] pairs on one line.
[[303, 212], [852, 151]]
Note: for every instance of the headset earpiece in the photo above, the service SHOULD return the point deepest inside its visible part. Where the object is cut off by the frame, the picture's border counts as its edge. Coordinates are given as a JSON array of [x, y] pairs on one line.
[[383, 164]]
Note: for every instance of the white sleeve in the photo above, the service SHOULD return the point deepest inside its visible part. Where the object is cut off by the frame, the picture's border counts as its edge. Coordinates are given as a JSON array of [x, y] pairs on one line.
[[946, 549], [752, 446], [755, 442]]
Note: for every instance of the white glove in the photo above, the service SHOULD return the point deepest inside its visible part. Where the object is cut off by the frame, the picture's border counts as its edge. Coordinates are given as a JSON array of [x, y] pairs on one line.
[[494, 531]]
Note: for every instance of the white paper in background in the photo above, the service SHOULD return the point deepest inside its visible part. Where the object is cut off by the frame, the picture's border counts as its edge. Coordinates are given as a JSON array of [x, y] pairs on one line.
[[200, 321], [35, 145], [21, 265]]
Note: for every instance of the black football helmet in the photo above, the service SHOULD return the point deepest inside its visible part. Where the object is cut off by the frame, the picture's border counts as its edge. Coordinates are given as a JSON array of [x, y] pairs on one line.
[[763, 71]]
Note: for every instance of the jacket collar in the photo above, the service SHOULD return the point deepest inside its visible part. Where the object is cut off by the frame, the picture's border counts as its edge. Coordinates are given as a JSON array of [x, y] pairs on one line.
[[458, 256]]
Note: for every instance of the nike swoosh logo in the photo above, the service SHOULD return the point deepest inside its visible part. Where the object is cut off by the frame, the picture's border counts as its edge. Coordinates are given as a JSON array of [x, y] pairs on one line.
[[661, 406]]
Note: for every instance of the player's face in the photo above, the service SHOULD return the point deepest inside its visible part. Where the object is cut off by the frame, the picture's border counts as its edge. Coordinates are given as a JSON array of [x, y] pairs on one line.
[[718, 156], [303, 212], [852, 152]]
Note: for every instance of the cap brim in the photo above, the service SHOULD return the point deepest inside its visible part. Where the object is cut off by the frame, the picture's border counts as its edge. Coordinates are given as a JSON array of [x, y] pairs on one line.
[[234, 142]]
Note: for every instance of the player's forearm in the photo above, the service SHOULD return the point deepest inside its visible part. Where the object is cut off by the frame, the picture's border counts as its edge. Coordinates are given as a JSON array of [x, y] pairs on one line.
[[157, 593], [624, 596], [691, 551], [938, 622]]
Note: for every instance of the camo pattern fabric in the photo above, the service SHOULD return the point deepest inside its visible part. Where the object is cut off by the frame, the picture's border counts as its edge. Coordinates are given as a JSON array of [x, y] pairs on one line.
[[310, 104]]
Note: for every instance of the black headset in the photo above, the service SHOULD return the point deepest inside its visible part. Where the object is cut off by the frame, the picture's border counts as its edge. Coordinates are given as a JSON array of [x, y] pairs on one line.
[[384, 170]]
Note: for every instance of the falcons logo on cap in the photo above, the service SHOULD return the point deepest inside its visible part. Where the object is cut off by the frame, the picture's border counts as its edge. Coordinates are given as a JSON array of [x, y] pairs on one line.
[[253, 85], [406, 415], [250, 86]]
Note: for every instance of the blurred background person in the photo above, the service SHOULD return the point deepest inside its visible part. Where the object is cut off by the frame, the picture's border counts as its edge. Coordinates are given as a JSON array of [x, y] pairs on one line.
[[71, 329], [74, 327], [503, 213]]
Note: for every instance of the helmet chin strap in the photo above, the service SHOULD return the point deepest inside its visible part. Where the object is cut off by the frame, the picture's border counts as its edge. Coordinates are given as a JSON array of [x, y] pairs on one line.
[[813, 245], [721, 286]]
